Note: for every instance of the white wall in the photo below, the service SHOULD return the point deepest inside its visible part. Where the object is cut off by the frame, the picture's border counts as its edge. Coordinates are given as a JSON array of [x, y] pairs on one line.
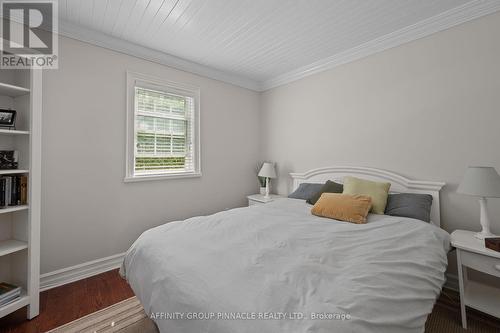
[[426, 110], [88, 212]]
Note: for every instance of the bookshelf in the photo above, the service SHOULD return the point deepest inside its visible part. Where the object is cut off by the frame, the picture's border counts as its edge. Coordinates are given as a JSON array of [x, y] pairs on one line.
[[23, 301], [13, 209], [12, 90], [11, 245], [20, 90], [13, 172], [13, 132]]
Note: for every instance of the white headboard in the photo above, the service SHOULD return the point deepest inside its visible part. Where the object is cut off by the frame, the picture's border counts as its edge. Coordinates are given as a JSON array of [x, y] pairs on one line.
[[399, 184]]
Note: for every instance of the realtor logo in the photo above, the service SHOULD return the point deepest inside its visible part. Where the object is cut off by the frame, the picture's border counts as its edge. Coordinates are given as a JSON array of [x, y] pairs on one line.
[[29, 34]]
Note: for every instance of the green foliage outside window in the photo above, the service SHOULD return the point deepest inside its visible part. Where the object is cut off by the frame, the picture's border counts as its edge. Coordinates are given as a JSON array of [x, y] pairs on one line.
[[158, 163]]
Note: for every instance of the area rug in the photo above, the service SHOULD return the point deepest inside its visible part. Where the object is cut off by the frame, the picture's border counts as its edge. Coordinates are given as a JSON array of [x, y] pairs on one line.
[[129, 317]]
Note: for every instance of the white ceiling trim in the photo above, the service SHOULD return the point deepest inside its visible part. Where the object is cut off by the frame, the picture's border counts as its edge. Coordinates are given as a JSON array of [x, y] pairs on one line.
[[86, 35], [445, 20]]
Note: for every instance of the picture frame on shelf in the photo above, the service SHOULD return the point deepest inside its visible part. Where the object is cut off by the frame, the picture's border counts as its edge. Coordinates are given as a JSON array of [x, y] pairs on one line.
[[8, 159], [8, 118]]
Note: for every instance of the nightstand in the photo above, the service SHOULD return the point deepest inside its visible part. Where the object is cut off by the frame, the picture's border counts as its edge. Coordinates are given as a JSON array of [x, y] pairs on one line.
[[258, 199], [471, 253]]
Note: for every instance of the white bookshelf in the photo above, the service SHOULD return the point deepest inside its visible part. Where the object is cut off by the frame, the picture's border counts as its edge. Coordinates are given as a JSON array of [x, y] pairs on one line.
[[23, 301], [11, 90], [13, 132], [12, 245], [20, 90], [13, 209], [13, 172]]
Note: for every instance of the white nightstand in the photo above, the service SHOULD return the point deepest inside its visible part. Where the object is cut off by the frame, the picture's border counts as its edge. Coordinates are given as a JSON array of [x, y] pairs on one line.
[[258, 199], [472, 253]]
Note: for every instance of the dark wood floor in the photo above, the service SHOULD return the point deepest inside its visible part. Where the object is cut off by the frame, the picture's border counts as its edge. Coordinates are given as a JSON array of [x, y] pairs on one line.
[[447, 308], [66, 303], [63, 304]]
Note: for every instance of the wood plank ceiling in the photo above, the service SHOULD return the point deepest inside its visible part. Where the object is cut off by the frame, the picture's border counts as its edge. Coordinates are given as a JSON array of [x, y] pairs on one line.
[[255, 39]]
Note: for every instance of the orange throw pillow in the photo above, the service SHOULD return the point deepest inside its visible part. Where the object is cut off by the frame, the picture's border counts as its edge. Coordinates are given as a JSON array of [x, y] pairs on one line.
[[343, 207]]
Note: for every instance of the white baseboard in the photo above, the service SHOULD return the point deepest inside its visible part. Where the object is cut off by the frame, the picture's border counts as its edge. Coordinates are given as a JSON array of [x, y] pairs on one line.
[[81, 271]]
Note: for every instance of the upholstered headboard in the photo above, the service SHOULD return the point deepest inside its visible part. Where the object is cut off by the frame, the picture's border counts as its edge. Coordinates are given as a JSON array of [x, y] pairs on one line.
[[399, 184]]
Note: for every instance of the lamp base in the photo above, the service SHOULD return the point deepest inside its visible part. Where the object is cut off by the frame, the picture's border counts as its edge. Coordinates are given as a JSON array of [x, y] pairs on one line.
[[482, 235], [266, 196], [484, 220]]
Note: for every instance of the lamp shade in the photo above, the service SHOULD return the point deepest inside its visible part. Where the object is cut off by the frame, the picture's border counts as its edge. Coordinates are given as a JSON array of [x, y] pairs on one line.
[[267, 170], [481, 182]]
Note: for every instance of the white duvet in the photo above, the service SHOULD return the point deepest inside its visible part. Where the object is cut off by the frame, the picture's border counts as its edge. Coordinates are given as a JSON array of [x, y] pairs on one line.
[[277, 268]]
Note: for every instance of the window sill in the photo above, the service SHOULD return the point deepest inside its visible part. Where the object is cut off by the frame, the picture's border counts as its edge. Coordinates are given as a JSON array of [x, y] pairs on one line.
[[131, 179]]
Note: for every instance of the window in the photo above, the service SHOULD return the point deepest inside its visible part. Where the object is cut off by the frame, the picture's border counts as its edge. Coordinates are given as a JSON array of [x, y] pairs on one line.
[[162, 129]]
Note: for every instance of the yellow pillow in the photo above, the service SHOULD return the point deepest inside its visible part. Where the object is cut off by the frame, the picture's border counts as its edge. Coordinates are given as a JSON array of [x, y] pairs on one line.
[[377, 191], [343, 207]]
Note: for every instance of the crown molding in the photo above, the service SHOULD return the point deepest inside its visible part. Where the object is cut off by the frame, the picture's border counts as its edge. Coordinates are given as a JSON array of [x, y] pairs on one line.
[[93, 37], [448, 19]]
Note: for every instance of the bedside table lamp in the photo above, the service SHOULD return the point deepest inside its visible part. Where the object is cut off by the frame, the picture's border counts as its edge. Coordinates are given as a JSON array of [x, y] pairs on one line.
[[482, 182], [267, 171]]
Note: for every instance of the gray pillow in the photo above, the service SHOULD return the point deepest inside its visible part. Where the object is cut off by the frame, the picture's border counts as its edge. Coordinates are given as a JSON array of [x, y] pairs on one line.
[[328, 187], [416, 206], [305, 190]]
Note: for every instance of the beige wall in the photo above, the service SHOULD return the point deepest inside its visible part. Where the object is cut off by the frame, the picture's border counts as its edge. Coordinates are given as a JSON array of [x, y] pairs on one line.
[[426, 110], [88, 212]]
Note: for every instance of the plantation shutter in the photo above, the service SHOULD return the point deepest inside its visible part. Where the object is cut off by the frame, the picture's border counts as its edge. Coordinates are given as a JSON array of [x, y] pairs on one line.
[[164, 132]]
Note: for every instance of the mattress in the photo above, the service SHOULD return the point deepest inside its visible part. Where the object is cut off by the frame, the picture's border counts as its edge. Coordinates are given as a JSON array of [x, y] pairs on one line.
[[277, 268]]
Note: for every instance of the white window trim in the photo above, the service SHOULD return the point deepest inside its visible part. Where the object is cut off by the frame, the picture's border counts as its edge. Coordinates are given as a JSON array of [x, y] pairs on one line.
[[158, 84]]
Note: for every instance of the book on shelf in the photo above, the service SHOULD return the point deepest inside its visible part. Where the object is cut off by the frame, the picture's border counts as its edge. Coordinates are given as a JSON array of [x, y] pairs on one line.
[[23, 187], [13, 190], [8, 293]]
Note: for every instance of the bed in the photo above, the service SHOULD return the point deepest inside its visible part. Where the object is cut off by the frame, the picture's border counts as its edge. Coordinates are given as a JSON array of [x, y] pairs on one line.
[[277, 268]]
